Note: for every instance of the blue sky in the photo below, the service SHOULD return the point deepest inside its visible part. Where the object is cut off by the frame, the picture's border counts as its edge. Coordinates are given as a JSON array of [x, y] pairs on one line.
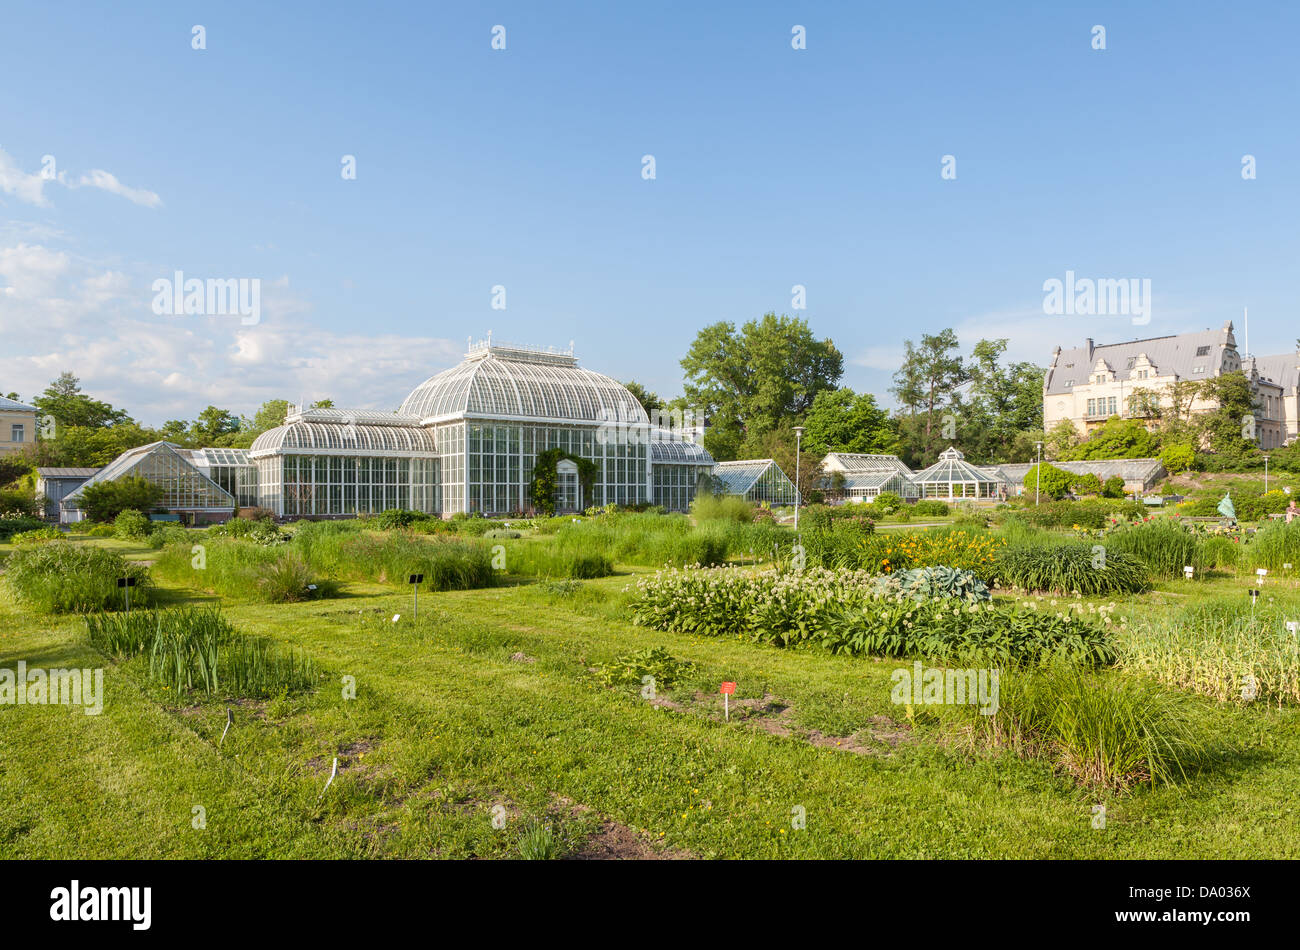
[[522, 168]]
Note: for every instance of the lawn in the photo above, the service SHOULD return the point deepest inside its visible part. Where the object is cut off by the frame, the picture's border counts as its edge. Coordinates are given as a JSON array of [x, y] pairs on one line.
[[488, 711]]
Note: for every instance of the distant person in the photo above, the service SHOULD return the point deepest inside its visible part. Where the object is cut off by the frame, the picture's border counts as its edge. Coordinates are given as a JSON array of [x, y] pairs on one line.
[[1291, 510]]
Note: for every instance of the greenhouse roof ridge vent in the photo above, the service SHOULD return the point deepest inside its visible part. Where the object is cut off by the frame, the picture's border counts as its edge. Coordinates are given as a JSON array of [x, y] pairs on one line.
[[520, 352]]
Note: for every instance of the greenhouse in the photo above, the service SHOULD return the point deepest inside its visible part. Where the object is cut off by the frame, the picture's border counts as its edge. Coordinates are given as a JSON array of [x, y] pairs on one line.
[[678, 470], [858, 477], [467, 440], [757, 480], [952, 477], [185, 489]]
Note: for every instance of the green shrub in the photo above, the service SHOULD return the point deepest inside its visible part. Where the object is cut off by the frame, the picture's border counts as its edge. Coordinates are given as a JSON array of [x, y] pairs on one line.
[[18, 503], [131, 525], [1091, 513], [477, 527], [930, 507], [1216, 552], [261, 531], [171, 533], [1087, 484], [67, 577], [1070, 568], [37, 536], [1113, 487], [287, 580], [550, 557], [888, 502], [399, 518], [11, 525], [1177, 457], [104, 501], [1048, 480]]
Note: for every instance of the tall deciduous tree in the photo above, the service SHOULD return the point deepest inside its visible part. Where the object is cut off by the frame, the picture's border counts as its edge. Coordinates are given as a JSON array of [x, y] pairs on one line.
[[1002, 402], [841, 420], [750, 382], [64, 400], [926, 387]]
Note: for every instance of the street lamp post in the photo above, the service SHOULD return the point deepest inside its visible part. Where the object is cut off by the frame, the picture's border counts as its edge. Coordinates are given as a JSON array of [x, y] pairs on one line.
[[1038, 472], [798, 444]]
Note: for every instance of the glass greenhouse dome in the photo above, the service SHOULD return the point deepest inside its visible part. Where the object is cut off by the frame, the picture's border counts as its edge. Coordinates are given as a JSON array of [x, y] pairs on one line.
[[467, 440], [953, 477]]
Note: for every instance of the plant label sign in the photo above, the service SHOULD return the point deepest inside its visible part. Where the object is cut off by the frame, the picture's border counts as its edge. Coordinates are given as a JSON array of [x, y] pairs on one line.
[[126, 582], [1188, 571], [415, 580], [728, 689]]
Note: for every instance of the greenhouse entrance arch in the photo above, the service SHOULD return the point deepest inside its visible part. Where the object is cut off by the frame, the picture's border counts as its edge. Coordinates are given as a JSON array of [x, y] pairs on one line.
[[566, 487]]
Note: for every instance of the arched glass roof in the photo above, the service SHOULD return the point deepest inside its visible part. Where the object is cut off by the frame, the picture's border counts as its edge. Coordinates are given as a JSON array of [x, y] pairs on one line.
[[511, 382], [677, 452], [341, 439], [952, 467]]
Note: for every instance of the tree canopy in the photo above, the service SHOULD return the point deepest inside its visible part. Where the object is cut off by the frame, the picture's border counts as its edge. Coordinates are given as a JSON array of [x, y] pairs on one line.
[[749, 382]]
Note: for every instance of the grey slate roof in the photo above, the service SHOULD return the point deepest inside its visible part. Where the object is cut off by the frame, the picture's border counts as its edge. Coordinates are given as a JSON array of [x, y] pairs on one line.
[[1169, 354], [1283, 370], [18, 406], [57, 471]]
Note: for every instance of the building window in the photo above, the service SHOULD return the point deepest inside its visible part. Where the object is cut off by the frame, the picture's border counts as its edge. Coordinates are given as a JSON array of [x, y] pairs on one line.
[[1110, 410], [16, 432], [1202, 351]]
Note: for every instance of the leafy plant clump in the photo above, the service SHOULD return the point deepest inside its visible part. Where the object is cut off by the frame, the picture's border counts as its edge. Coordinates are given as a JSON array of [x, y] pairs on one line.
[[64, 577], [1163, 545], [131, 525], [933, 583], [197, 649], [37, 536], [14, 524], [1071, 568], [631, 669], [841, 611], [1105, 731], [104, 501]]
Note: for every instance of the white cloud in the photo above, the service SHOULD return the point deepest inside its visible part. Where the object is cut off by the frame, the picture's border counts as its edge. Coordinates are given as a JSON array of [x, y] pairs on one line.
[[106, 181], [14, 181], [30, 272], [96, 321], [30, 188]]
